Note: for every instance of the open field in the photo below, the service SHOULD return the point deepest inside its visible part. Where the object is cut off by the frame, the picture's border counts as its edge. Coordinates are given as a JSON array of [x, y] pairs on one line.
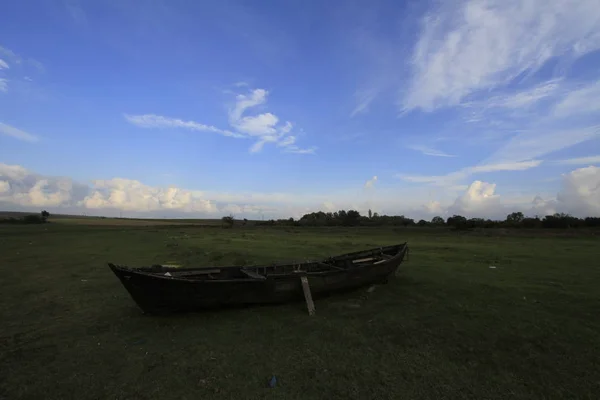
[[448, 326]]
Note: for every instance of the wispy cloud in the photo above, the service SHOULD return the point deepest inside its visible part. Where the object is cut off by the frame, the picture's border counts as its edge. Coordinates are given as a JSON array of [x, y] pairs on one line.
[[523, 98], [580, 161], [9, 56], [451, 179], [76, 11], [17, 133], [297, 150], [13, 67], [289, 145], [371, 182], [158, 121], [429, 151], [364, 98], [478, 45], [513, 166], [580, 101], [531, 144], [264, 128]]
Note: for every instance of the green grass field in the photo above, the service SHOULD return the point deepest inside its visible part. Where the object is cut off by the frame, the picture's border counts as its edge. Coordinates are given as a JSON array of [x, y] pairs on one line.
[[447, 327]]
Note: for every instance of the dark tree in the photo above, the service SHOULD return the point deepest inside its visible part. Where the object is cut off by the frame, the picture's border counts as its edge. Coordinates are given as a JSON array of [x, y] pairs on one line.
[[457, 221], [352, 218], [515, 218], [228, 220], [437, 220]]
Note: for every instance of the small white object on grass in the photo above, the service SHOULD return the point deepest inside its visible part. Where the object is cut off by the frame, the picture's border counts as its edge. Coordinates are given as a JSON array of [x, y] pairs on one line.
[[492, 266]]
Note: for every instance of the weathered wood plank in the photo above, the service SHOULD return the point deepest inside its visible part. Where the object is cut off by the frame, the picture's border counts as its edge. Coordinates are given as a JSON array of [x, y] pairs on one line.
[[253, 274], [363, 260], [196, 272], [307, 295]]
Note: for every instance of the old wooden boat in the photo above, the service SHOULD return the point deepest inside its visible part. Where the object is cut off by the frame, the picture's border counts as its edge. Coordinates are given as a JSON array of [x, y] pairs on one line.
[[159, 289]]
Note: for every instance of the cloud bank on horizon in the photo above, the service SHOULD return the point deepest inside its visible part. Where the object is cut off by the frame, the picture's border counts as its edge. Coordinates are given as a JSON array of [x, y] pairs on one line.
[[480, 108], [22, 189]]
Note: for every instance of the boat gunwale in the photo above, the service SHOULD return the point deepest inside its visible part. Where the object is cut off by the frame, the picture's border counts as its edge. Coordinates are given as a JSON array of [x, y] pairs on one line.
[[402, 248]]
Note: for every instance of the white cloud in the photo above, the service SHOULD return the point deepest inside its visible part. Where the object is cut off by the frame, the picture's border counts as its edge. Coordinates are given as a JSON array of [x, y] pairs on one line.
[[13, 172], [433, 208], [3, 85], [258, 125], [264, 127], [580, 161], [328, 206], [478, 200], [3, 64], [429, 151], [541, 207], [580, 195], [23, 189], [4, 187], [371, 182], [482, 44], [45, 193], [17, 133], [243, 102], [131, 195]]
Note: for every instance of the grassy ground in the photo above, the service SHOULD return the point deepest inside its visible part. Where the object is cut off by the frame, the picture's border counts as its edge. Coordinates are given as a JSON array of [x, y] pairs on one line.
[[448, 326]]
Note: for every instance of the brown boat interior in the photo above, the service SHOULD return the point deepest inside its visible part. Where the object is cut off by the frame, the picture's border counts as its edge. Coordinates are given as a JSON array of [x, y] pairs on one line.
[[338, 263]]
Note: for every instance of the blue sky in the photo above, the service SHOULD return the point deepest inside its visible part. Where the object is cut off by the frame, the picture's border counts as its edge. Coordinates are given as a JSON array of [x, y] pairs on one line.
[[187, 108]]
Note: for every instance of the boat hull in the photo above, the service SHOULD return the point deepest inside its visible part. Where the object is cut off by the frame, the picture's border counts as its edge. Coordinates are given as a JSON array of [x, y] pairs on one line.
[[158, 294]]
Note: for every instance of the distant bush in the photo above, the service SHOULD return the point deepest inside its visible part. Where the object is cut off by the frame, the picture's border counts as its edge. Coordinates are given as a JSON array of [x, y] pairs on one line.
[[228, 220], [33, 219], [28, 219]]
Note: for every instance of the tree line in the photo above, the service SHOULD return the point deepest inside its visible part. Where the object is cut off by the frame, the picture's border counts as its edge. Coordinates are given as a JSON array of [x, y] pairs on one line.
[[513, 220], [40, 218]]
